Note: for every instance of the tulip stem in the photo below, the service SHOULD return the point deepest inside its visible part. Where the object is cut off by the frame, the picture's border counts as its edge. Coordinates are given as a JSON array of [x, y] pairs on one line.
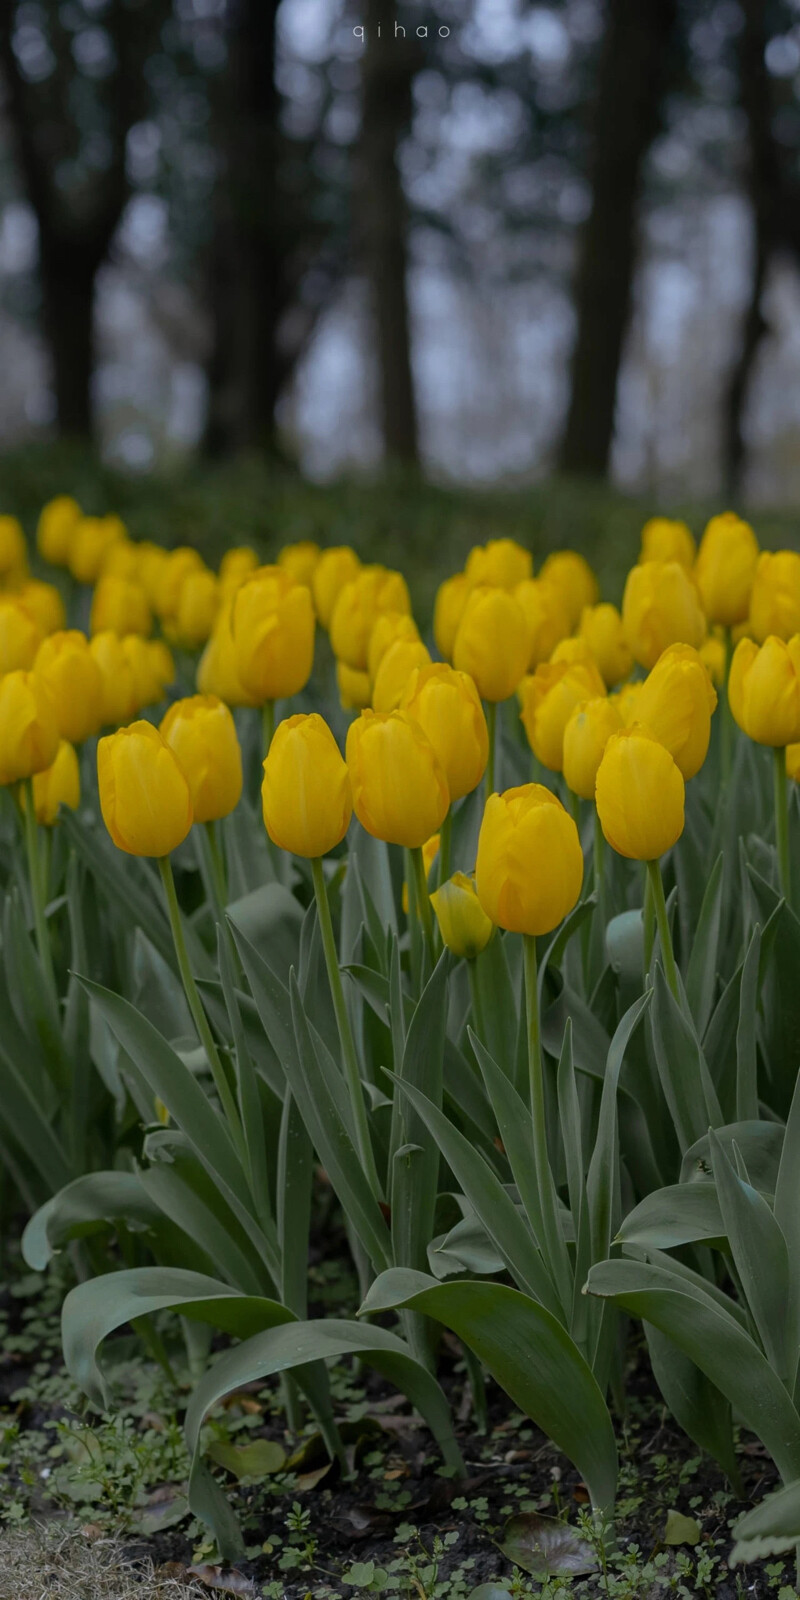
[[552, 1242], [38, 890], [267, 724], [195, 1004], [445, 842], [668, 954], [424, 911], [726, 730], [346, 1040], [216, 865], [781, 793], [491, 764]]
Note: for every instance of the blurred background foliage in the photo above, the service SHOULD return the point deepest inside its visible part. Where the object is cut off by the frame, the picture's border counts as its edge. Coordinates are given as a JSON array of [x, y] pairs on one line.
[[385, 269]]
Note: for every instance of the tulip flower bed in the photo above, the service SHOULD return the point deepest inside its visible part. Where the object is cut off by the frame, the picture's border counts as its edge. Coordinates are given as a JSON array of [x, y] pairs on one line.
[[457, 970]]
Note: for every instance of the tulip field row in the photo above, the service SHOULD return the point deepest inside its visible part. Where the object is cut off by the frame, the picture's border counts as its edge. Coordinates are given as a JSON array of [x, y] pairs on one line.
[[491, 935]]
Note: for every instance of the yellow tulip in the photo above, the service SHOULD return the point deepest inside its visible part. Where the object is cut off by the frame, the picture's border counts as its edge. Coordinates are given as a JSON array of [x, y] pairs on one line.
[[714, 657], [149, 667], [65, 664], [170, 577], [20, 635], [89, 542], [447, 707], [236, 565], [299, 560], [451, 598], [198, 604], [389, 627], [305, 795], [59, 785], [400, 792], [58, 522], [216, 669], [500, 564], [337, 566], [28, 727], [602, 629], [764, 690], [660, 606], [151, 567], [463, 923], [144, 796], [529, 870], [664, 539], [639, 795], [358, 604], [570, 573], [355, 688], [13, 551], [201, 732], [586, 735], [272, 628], [119, 606], [123, 559], [546, 615], [793, 762], [45, 604], [627, 703], [725, 569], [119, 693], [775, 598], [548, 698], [676, 702], [492, 643], [397, 665]]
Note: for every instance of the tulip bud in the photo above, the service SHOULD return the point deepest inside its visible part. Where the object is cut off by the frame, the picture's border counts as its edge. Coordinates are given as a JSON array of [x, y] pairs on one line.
[[714, 657], [492, 643], [389, 627], [198, 603], [150, 670], [586, 735], [64, 663], [59, 785], [451, 598], [572, 576], [463, 923], [89, 543], [666, 540], [236, 565], [45, 605], [764, 690], [272, 628], [28, 727], [358, 604], [20, 635], [299, 560], [13, 551], [305, 793], [725, 569], [675, 703], [152, 565], [119, 606], [601, 628], [775, 597], [173, 573], [58, 521], [400, 792], [336, 566], [530, 864], [627, 703], [201, 733], [397, 665], [216, 669], [144, 796], [447, 707], [500, 564], [660, 606], [548, 698], [123, 559], [793, 762], [639, 795], [355, 689], [546, 616], [119, 691]]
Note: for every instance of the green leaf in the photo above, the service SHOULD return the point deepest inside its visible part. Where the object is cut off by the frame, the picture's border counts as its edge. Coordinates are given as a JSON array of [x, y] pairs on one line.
[[415, 1177], [682, 1213], [716, 1343], [759, 1252], [260, 1459], [760, 1143], [746, 1059], [701, 973], [87, 1205], [529, 1354], [695, 1402], [769, 1529], [685, 1079], [546, 1546], [679, 1529]]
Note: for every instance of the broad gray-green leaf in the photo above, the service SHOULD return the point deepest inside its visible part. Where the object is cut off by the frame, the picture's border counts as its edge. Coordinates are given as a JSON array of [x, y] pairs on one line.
[[769, 1529], [546, 1547]]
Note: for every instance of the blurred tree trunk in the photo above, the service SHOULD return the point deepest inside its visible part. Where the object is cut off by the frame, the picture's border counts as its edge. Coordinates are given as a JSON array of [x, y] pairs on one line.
[[249, 287], [389, 64], [765, 188], [631, 83], [68, 279]]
